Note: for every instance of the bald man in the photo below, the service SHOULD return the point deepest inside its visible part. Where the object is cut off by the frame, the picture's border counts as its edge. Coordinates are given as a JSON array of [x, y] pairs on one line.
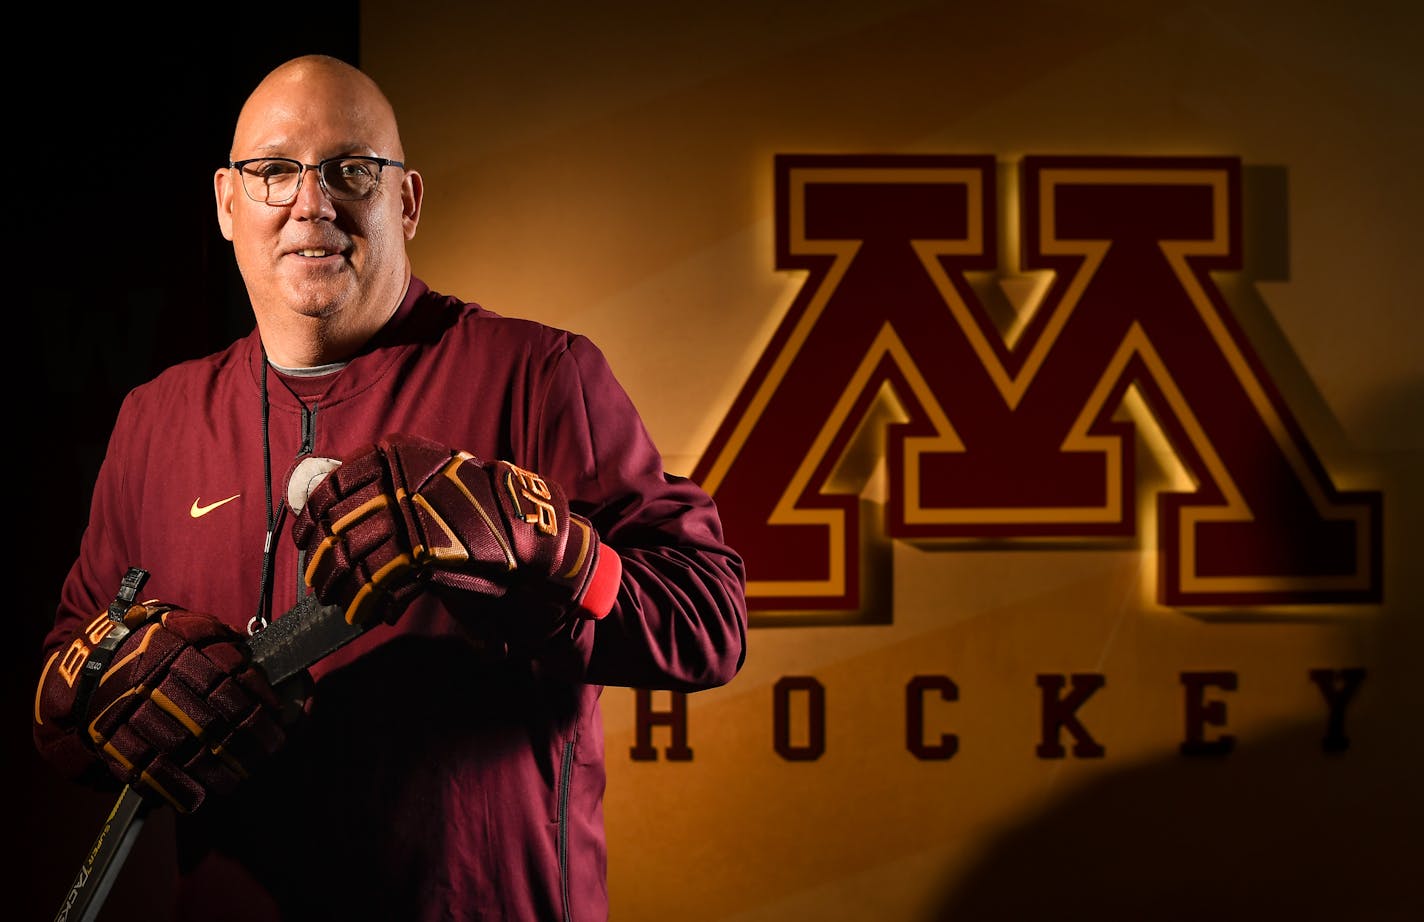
[[475, 494]]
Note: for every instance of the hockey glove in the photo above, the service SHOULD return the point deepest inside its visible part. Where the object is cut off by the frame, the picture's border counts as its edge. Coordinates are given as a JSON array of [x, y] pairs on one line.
[[179, 713], [408, 513]]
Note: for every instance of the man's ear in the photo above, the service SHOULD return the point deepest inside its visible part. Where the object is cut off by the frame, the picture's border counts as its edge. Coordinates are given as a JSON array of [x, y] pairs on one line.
[[225, 182], [412, 194]]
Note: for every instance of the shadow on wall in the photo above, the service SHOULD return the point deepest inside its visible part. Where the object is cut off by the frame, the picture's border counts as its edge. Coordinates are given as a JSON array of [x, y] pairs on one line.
[[1275, 829]]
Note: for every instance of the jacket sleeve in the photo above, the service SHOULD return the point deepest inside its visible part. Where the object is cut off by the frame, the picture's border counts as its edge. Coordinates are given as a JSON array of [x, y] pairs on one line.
[[106, 546], [90, 585], [680, 621]]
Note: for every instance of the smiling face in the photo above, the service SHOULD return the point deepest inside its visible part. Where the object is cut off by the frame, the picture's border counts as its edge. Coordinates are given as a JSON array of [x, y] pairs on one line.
[[342, 264]]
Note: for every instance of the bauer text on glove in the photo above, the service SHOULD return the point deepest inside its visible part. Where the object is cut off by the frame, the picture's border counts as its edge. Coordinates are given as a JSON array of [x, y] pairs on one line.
[[407, 512], [178, 713]]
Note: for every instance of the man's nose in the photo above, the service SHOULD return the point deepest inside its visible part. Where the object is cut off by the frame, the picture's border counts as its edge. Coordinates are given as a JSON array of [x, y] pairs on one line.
[[311, 194]]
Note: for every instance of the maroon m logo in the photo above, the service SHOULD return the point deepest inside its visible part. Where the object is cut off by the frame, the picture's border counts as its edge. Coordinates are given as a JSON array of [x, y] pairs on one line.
[[1014, 430]]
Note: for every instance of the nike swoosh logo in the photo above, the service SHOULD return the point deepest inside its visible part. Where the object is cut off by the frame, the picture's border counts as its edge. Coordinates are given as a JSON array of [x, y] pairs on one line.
[[198, 512]]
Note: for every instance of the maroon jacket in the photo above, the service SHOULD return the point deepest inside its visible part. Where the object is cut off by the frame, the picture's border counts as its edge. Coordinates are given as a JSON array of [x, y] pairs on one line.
[[431, 781]]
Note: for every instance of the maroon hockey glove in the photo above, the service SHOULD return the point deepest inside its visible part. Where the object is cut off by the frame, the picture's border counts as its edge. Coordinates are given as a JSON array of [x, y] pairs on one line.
[[408, 512], [179, 713]]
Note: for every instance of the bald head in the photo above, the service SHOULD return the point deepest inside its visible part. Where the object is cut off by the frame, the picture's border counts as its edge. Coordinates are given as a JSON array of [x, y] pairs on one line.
[[311, 85]]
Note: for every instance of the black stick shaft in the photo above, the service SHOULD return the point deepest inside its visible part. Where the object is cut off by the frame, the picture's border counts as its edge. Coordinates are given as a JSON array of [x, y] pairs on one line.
[[111, 847]]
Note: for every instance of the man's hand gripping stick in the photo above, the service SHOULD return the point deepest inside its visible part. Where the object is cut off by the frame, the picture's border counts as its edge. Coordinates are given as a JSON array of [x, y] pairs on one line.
[[290, 644]]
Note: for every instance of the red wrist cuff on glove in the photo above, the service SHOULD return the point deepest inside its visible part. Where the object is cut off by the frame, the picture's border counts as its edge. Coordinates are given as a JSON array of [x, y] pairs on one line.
[[602, 585]]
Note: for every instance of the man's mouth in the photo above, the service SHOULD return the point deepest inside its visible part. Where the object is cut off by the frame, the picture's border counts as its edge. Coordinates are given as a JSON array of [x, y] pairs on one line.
[[315, 252]]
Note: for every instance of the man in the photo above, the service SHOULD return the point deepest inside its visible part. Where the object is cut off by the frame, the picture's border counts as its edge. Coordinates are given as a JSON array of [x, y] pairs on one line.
[[476, 491]]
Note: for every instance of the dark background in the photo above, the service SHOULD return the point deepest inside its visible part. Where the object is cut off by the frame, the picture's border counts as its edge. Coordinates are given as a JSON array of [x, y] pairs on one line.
[[113, 240]]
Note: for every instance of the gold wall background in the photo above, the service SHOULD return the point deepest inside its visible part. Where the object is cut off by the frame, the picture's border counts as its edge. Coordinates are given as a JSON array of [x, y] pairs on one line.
[[607, 168]]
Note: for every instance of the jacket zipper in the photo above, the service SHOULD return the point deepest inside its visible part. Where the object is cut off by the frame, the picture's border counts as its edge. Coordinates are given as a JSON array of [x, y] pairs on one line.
[[564, 784]]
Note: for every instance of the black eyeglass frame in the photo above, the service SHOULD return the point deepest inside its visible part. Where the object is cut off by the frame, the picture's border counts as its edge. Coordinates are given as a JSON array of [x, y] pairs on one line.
[[303, 168]]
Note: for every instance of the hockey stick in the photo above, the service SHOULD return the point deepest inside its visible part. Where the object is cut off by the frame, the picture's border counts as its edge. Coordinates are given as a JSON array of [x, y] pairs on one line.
[[291, 643]]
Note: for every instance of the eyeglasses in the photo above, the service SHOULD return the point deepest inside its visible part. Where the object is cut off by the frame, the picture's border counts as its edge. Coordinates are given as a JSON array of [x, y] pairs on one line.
[[276, 180]]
